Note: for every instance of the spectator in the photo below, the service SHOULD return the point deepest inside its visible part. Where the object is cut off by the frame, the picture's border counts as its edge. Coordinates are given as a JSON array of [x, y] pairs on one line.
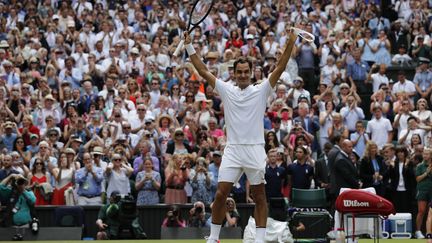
[[401, 173], [9, 135], [351, 113], [297, 91], [173, 218], [422, 113], [325, 121], [63, 179], [214, 169], [117, 175], [198, 217], [378, 77], [178, 145], [338, 127], [373, 171], [404, 85], [39, 180], [176, 175], [232, 217], [379, 128], [89, 180], [20, 147], [148, 183], [413, 128], [201, 183], [423, 78], [357, 72]]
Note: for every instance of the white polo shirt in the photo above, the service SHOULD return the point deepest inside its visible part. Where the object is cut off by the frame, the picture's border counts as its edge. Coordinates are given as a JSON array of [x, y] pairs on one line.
[[379, 130], [377, 80], [244, 111]]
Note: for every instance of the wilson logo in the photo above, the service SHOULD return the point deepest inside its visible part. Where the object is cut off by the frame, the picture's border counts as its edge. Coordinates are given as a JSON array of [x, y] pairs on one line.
[[355, 203]]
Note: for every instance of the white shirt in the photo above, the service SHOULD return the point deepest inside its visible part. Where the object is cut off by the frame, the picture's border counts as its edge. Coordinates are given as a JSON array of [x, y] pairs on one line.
[[162, 60], [379, 130], [377, 80], [108, 61], [297, 94], [244, 111], [403, 122], [407, 141], [81, 59], [133, 139], [137, 64], [89, 39], [407, 87]]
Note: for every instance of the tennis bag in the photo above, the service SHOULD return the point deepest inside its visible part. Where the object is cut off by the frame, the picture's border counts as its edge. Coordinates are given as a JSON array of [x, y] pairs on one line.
[[363, 202]]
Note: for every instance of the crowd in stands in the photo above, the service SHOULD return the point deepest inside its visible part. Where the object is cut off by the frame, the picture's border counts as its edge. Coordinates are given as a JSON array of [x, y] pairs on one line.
[[93, 101]]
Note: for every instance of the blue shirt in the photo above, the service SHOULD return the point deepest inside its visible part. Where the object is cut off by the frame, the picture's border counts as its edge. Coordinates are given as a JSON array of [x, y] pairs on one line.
[[274, 178], [361, 144], [358, 71], [300, 175], [9, 140], [423, 80], [89, 185]]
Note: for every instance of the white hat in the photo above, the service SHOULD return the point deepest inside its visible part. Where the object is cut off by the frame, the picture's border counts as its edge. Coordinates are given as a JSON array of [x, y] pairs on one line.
[[6, 63], [250, 37], [134, 50], [55, 16], [4, 44]]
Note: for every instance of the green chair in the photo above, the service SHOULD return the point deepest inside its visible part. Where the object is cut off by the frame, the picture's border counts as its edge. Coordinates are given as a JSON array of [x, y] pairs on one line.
[[308, 198]]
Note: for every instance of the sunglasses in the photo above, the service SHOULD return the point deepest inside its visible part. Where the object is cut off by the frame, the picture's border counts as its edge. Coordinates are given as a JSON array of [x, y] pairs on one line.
[[179, 134], [117, 159], [38, 163]]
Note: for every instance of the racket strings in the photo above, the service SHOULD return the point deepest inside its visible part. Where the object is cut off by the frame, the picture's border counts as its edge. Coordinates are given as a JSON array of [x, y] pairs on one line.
[[200, 11]]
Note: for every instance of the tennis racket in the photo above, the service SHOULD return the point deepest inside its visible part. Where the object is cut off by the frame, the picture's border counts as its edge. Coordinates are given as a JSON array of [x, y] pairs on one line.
[[238, 4], [303, 34], [199, 12]]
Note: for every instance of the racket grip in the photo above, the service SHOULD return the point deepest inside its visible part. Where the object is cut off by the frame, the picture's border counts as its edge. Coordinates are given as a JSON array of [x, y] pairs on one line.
[[178, 49]]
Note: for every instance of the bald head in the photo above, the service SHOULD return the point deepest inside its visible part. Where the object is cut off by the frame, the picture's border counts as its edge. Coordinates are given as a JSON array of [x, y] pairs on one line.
[[347, 146]]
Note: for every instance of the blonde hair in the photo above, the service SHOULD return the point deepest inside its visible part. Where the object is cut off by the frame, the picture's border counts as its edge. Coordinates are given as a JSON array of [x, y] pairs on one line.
[[172, 164], [369, 144]]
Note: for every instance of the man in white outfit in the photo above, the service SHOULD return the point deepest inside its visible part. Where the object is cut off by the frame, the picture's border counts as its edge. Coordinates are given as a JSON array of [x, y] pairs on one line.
[[244, 107]]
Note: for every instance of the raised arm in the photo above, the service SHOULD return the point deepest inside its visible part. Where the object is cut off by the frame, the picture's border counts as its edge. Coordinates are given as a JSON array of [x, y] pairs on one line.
[[196, 61], [283, 61]]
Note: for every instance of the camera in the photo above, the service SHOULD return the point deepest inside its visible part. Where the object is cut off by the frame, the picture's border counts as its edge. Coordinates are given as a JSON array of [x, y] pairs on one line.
[[17, 181], [198, 210]]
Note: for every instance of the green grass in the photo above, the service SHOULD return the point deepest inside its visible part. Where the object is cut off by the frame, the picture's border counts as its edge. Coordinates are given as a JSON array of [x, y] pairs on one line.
[[222, 241]]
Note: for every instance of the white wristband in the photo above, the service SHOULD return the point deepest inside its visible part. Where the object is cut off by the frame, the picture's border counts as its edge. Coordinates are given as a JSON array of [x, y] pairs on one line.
[[190, 49]]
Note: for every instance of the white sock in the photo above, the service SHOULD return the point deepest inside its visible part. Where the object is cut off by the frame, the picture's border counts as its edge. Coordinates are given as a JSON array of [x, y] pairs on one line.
[[260, 235], [214, 231]]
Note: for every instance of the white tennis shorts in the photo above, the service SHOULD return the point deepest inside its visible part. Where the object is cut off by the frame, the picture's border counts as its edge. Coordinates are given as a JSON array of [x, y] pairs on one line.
[[247, 158]]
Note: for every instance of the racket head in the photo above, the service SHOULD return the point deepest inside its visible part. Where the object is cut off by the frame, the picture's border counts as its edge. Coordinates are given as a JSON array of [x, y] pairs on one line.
[[238, 4], [303, 34], [199, 12]]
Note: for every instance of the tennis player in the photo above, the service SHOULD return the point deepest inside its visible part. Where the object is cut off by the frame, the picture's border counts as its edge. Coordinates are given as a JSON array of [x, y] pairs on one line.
[[244, 107]]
